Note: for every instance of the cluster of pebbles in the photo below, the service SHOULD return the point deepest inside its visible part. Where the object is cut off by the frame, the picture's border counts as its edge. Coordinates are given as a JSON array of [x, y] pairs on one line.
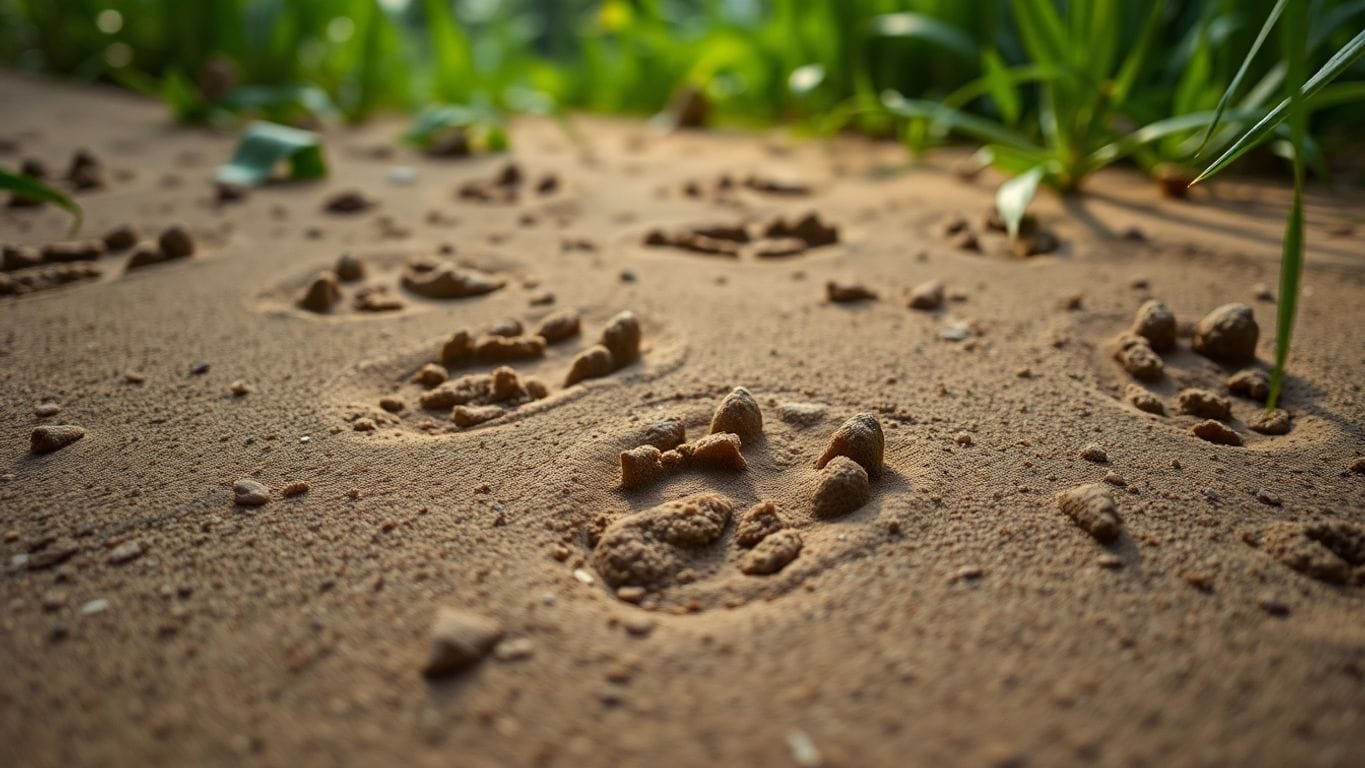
[[423, 276], [1228, 336], [725, 186], [84, 173], [472, 399], [25, 268], [658, 547], [1033, 239], [506, 187], [777, 238]]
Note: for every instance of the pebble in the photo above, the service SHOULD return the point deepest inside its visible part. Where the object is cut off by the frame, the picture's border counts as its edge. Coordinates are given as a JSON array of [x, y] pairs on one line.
[[775, 551], [841, 293], [1272, 604], [963, 439], [955, 332], [843, 487], [1092, 508], [239, 388], [558, 327], [44, 410], [250, 493], [1204, 404], [739, 414], [1228, 333], [860, 439], [322, 293], [1275, 422], [98, 605], [514, 649], [1095, 453], [1267, 498], [804, 752], [1144, 401], [927, 296], [583, 576], [458, 641], [1216, 432], [49, 438], [1251, 383], [296, 488], [348, 268], [592, 363], [176, 242], [1138, 358], [639, 626], [1156, 323], [126, 552]]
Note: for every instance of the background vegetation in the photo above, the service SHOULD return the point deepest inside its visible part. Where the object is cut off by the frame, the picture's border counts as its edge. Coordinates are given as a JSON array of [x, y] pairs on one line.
[[824, 64]]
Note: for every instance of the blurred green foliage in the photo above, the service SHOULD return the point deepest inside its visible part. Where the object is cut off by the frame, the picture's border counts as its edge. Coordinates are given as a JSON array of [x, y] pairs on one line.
[[1054, 80]]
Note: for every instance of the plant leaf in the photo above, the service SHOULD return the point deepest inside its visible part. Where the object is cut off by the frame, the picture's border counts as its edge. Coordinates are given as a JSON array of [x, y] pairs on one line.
[[32, 189], [264, 146], [1339, 62], [921, 27], [1242, 71], [971, 125], [1013, 197]]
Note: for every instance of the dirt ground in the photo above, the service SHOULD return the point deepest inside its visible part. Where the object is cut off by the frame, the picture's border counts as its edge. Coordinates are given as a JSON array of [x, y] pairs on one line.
[[958, 617]]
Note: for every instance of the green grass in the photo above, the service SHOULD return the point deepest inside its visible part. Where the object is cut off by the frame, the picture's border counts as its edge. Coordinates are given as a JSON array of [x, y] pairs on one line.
[[33, 189]]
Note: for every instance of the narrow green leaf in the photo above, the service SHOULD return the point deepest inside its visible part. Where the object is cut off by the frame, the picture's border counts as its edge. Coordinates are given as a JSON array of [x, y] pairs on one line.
[[264, 146], [1330, 71], [1014, 196], [30, 188], [1294, 41], [1242, 71], [971, 125]]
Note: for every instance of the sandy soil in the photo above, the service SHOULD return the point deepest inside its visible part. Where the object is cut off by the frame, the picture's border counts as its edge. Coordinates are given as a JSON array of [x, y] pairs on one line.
[[958, 616]]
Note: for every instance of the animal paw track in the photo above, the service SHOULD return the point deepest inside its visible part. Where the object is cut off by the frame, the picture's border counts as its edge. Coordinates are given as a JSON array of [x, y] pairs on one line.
[[1169, 372], [480, 377], [730, 517]]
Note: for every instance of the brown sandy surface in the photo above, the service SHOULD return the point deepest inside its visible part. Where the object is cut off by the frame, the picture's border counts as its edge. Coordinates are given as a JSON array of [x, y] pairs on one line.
[[958, 617]]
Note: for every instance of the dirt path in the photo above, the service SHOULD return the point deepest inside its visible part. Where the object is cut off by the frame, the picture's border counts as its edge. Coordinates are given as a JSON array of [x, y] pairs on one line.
[[939, 609]]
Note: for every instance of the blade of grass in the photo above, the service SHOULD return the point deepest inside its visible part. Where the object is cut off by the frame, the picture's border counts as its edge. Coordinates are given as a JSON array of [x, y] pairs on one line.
[[1295, 33], [1339, 62], [30, 188], [921, 27], [1242, 72]]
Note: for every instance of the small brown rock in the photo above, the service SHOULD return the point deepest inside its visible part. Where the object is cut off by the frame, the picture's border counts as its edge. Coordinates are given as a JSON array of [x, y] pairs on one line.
[[1156, 324], [622, 338], [121, 238], [773, 553], [1092, 508], [1216, 432], [1251, 383], [1275, 422], [459, 640], [558, 327], [738, 413], [1228, 334], [1138, 358], [1144, 401], [176, 242], [840, 293], [1204, 404], [321, 294], [54, 437], [861, 439], [843, 487], [757, 523], [927, 296], [592, 363], [249, 492]]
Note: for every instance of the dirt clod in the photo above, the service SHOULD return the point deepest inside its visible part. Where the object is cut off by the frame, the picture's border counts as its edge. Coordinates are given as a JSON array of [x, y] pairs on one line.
[[1091, 507], [738, 413], [459, 640], [1216, 432], [927, 296], [1204, 404], [861, 439], [1276, 422], [843, 487], [772, 554]]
